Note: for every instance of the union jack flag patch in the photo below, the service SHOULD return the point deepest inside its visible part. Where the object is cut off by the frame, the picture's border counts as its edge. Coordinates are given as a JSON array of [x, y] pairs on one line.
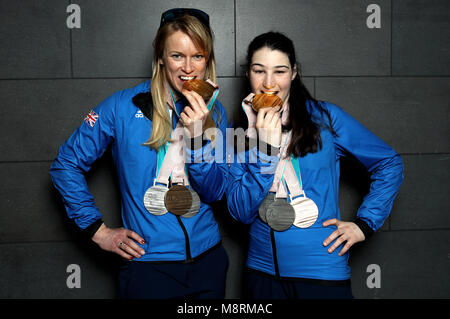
[[91, 118]]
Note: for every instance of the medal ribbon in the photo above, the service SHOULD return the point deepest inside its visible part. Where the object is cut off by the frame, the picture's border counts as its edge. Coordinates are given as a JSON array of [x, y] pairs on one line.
[[285, 177], [276, 185], [171, 156], [294, 184]]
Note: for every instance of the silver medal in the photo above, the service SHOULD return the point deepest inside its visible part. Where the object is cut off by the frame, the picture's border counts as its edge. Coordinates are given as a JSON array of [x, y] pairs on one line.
[[280, 214], [154, 199], [306, 212], [264, 205], [195, 207]]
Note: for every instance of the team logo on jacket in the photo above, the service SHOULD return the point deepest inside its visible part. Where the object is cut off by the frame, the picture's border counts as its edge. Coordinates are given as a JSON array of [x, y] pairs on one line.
[[139, 114], [91, 118]]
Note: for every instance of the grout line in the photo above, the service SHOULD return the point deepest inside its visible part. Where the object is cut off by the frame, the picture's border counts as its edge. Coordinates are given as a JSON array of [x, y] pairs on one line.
[[392, 15], [235, 35], [51, 160], [71, 49], [413, 230], [80, 240], [71, 54], [232, 77], [75, 78], [25, 162], [42, 242], [315, 92], [420, 154]]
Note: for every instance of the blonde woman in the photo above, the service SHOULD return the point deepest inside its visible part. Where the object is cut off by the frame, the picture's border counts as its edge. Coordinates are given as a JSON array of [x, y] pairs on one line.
[[170, 240]]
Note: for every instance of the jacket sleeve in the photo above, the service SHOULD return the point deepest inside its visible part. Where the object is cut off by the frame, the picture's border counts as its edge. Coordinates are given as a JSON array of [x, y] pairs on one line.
[[206, 166], [75, 158], [384, 164], [250, 178]]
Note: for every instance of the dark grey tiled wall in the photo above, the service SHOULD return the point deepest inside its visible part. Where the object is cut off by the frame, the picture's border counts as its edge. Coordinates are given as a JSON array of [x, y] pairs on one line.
[[394, 80], [116, 37], [32, 44], [410, 114], [331, 36], [420, 43]]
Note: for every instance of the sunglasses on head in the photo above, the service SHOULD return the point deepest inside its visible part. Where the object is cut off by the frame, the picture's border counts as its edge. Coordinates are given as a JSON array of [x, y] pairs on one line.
[[172, 14]]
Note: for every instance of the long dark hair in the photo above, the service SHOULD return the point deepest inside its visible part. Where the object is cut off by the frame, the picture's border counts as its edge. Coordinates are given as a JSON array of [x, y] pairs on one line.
[[305, 132]]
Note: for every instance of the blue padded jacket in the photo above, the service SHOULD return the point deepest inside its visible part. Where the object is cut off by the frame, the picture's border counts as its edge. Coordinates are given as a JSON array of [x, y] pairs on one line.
[[119, 123], [297, 252]]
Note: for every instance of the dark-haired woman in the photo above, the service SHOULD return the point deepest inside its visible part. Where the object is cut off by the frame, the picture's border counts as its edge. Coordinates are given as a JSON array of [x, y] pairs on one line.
[[170, 239], [286, 187]]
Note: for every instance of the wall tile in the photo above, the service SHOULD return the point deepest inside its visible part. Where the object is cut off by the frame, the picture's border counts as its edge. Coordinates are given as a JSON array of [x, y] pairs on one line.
[[35, 41], [420, 43], [413, 264], [423, 199], [39, 214], [39, 271], [39, 115], [331, 37], [115, 39], [410, 114], [237, 256]]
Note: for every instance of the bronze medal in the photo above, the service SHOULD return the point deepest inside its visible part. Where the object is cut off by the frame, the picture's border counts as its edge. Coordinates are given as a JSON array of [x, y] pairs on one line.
[[280, 214], [154, 200], [178, 200]]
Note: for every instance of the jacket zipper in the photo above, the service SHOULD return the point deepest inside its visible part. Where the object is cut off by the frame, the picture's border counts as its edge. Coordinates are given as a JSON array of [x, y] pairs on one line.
[[186, 238], [274, 254]]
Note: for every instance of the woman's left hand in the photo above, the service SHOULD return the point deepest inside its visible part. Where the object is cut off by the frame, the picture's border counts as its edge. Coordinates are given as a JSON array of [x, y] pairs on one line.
[[195, 114], [346, 232]]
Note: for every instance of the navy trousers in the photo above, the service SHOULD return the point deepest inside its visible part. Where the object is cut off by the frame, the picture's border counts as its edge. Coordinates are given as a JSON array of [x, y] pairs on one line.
[[263, 286], [203, 278]]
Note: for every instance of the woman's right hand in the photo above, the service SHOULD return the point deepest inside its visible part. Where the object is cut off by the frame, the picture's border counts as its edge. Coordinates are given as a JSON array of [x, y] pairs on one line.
[[268, 124], [120, 241]]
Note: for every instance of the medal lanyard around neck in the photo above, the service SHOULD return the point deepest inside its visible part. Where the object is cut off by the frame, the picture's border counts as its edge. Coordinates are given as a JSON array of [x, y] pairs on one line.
[[282, 153], [294, 162], [174, 103], [162, 151]]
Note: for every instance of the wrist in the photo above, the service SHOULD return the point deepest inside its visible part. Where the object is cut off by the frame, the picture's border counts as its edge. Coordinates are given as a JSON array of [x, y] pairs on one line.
[[93, 228], [98, 234], [365, 228]]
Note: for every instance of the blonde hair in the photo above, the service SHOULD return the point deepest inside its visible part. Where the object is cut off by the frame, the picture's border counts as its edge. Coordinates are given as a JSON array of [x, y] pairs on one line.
[[202, 38]]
